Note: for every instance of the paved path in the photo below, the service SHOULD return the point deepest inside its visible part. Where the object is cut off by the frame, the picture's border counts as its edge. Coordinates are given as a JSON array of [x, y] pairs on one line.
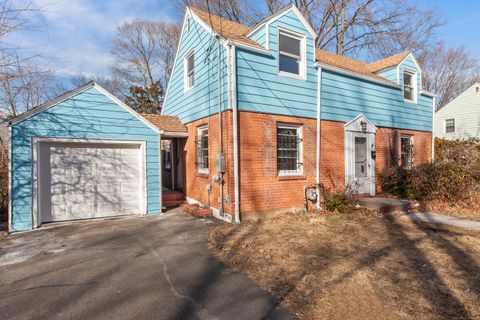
[[443, 219], [125, 268]]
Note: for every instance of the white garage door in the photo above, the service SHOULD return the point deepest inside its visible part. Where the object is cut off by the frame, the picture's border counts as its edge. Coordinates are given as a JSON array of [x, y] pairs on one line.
[[84, 180]]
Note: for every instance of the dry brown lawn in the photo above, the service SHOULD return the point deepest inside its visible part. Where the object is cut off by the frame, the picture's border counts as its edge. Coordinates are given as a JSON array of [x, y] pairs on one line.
[[357, 266]]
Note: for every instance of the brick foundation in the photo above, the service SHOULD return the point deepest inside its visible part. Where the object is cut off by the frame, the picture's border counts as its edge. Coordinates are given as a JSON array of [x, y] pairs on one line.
[[261, 189]]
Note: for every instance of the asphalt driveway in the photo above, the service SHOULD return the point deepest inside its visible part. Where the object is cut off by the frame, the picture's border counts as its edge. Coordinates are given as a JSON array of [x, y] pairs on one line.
[[125, 268]]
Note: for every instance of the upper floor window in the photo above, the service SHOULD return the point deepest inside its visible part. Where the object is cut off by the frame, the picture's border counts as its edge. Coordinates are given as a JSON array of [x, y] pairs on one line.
[[290, 53], [409, 86], [449, 125], [289, 149], [202, 149], [189, 65]]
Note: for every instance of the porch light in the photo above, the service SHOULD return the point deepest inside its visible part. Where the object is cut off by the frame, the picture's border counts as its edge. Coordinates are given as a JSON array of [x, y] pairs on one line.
[[364, 125]]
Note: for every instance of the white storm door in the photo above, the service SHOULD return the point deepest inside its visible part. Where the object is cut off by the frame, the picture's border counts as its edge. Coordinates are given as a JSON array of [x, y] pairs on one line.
[[361, 165], [85, 180]]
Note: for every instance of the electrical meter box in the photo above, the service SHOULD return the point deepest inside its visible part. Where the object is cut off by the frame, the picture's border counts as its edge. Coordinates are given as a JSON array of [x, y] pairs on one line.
[[220, 163]]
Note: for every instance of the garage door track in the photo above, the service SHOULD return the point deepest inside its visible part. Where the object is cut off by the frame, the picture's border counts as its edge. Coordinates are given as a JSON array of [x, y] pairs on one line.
[[125, 268]]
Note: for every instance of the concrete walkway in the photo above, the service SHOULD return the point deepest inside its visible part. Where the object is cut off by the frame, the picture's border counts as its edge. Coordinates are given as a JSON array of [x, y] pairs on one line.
[[125, 268], [443, 219]]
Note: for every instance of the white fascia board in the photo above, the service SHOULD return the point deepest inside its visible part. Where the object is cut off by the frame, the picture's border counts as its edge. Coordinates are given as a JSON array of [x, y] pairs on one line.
[[245, 46], [428, 94], [357, 75], [281, 13], [185, 18], [51, 103]]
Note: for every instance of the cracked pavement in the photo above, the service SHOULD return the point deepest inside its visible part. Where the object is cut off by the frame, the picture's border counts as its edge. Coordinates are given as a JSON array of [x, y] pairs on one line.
[[125, 268]]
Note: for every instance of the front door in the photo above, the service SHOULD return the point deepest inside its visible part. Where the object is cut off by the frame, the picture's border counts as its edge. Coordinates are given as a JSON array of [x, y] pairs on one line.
[[360, 157], [179, 167]]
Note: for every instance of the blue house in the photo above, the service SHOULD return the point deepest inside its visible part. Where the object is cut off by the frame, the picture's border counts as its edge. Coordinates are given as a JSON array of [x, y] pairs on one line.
[[254, 121], [269, 115]]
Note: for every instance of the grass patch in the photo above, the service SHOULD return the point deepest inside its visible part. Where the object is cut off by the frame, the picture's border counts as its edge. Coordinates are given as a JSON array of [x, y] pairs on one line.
[[357, 265]]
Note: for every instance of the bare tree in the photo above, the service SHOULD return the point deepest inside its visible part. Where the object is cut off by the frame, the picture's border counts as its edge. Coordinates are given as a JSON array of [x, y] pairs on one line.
[[144, 53], [23, 87], [448, 72], [369, 28], [113, 85]]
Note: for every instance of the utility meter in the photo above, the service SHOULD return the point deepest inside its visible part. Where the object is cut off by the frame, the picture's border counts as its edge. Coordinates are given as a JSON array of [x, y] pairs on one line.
[[220, 163]]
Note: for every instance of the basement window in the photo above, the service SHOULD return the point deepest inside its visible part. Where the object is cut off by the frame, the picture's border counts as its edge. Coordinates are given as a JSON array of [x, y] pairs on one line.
[[406, 151], [289, 150], [189, 65], [450, 126], [202, 150]]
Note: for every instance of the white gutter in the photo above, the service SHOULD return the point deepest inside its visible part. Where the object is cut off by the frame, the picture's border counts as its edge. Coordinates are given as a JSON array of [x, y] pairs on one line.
[[233, 103], [357, 75], [10, 178], [433, 129], [319, 110]]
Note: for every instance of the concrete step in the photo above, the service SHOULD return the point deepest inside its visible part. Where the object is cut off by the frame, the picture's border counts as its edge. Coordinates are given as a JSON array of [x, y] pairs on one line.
[[384, 205]]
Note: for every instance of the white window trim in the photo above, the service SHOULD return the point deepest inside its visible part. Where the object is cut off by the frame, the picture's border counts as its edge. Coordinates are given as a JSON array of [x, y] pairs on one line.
[[199, 131], [185, 70], [445, 126], [413, 74], [302, 68], [299, 171]]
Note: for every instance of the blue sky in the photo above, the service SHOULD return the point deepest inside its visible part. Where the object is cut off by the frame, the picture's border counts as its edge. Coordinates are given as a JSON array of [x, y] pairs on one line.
[[76, 35]]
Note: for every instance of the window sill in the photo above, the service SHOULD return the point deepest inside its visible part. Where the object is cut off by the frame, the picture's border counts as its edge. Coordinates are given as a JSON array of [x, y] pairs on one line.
[[202, 175], [291, 75], [291, 177], [410, 101]]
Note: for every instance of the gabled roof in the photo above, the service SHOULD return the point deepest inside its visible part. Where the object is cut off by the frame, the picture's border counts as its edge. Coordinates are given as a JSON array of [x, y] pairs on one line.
[[166, 123], [75, 92], [238, 32], [388, 62], [226, 28]]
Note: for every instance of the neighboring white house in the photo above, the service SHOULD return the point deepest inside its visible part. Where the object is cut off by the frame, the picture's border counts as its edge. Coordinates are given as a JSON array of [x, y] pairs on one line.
[[460, 118], [3, 128]]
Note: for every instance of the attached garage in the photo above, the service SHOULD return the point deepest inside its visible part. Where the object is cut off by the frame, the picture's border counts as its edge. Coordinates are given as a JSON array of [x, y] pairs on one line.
[[83, 155]]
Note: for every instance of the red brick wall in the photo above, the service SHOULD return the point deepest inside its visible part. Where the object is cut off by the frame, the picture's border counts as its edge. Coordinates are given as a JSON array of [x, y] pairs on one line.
[[195, 183], [261, 189]]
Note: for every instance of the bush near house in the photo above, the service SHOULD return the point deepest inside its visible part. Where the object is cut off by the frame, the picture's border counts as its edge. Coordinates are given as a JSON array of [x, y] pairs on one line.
[[453, 177], [3, 183]]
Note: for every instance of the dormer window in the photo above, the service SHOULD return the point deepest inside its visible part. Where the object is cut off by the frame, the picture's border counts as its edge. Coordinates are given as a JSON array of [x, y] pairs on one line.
[[409, 86], [189, 65], [290, 54]]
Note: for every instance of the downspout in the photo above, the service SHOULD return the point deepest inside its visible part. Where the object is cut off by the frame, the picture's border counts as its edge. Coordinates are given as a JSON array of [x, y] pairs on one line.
[[220, 131], [10, 178], [433, 129], [319, 111], [233, 103]]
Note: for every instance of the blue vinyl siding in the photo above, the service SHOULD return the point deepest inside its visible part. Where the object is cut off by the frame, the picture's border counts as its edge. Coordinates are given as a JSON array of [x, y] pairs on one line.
[[260, 37], [409, 64], [201, 100], [389, 74], [259, 86], [344, 97], [87, 115]]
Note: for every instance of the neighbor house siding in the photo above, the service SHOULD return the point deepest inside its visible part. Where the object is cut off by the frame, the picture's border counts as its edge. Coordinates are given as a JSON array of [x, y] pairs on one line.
[[202, 99], [465, 109], [344, 98], [88, 115], [261, 89]]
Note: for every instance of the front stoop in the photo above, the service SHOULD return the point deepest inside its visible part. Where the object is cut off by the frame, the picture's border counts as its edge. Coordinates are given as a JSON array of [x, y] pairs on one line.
[[172, 199], [196, 210], [385, 205]]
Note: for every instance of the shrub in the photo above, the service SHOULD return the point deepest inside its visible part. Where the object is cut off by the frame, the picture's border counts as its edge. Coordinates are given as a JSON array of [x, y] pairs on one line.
[[335, 201], [455, 175]]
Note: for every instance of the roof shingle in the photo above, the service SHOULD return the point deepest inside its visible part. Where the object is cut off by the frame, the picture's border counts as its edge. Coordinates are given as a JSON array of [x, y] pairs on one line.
[[166, 123]]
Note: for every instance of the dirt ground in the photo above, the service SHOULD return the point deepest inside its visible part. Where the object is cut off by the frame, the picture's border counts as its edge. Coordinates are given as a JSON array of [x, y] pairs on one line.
[[359, 265]]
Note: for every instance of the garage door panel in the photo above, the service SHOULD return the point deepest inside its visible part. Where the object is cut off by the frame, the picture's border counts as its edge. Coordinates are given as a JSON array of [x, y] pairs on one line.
[[91, 180]]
